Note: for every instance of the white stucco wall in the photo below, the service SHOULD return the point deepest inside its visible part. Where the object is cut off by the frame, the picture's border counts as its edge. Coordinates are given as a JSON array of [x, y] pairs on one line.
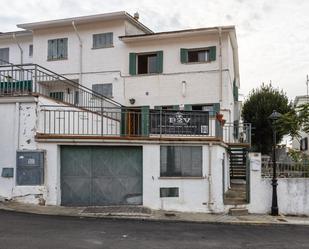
[[14, 51], [293, 195], [193, 193], [17, 131]]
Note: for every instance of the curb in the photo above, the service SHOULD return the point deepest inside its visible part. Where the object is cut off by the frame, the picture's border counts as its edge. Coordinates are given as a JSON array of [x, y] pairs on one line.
[[151, 218]]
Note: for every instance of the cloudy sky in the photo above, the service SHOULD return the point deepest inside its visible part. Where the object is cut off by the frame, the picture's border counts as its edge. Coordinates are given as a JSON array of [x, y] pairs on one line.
[[273, 36]]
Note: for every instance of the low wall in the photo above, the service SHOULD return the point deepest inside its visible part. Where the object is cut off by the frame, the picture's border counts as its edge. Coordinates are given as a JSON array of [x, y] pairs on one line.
[[293, 193]]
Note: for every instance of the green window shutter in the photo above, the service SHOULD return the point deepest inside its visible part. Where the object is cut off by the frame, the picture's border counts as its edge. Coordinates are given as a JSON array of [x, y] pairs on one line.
[[175, 107], [145, 121], [235, 91], [183, 55], [212, 53], [158, 107], [188, 107], [160, 61], [132, 63], [216, 109], [123, 123]]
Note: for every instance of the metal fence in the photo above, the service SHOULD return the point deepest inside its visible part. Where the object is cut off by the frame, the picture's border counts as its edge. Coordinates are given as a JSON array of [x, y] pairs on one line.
[[138, 122], [28, 79], [286, 169]]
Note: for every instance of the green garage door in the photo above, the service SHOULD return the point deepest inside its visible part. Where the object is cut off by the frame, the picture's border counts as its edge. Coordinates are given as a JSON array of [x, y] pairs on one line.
[[96, 175]]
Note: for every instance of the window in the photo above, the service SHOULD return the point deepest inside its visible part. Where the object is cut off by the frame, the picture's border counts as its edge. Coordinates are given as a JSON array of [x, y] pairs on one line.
[[104, 40], [304, 144], [181, 161], [56, 95], [4, 56], [30, 50], [104, 89], [30, 168], [58, 49], [198, 55], [146, 63], [169, 192]]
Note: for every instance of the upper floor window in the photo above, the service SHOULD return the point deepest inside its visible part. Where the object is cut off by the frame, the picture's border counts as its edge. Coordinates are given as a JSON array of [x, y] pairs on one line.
[[104, 40], [146, 63], [57, 49], [197, 55], [30, 50], [4, 56], [103, 89]]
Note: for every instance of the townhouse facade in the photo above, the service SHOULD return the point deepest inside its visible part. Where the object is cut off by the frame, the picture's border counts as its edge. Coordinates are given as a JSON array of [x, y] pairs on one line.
[[101, 110]]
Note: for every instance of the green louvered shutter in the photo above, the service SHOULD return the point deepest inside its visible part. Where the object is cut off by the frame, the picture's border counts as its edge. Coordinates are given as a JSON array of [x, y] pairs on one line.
[[216, 108], [176, 107], [188, 107], [184, 55], [212, 53], [145, 120], [132, 63], [160, 61], [157, 107]]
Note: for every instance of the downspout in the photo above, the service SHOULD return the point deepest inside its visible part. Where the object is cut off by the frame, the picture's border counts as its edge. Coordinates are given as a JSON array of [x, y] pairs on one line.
[[220, 64], [80, 53], [210, 202], [20, 48]]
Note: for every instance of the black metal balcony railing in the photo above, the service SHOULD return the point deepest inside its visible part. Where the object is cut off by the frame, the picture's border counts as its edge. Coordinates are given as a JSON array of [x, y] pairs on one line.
[[29, 79], [139, 122]]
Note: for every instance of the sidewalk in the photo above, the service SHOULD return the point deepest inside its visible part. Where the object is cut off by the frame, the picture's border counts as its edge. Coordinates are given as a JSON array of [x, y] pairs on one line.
[[152, 215]]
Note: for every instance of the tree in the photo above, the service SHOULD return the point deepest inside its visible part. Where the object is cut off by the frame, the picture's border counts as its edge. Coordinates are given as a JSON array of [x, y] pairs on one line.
[[256, 110], [295, 120]]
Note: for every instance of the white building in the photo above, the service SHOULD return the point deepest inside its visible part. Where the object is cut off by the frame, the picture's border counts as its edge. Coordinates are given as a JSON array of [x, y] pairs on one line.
[[302, 142], [102, 110]]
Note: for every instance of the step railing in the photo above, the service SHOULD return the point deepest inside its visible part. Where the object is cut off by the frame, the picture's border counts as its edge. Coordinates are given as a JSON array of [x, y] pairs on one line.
[[29, 79]]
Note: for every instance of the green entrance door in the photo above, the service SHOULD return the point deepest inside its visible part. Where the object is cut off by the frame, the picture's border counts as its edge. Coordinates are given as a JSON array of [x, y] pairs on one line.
[[96, 175]]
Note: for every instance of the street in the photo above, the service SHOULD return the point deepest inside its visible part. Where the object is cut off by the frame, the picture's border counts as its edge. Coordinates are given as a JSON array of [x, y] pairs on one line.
[[25, 231]]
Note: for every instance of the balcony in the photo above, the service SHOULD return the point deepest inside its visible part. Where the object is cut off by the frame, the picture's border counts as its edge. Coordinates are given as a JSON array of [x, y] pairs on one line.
[[140, 123]]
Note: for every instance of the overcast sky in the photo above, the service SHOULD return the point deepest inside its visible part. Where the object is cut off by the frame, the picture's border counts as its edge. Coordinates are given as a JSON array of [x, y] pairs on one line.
[[273, 35]]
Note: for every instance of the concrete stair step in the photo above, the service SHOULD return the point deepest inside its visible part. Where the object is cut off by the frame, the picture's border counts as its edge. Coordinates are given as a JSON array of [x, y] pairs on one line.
[[238, 211], [234, 201]]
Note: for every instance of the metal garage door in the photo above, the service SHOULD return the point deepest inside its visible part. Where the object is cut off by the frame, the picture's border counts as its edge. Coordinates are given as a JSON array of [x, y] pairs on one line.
[[94, 175]]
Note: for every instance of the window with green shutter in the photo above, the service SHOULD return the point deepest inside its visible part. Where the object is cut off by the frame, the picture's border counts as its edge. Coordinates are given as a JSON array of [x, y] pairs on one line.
[[146, 63], [200, 55]]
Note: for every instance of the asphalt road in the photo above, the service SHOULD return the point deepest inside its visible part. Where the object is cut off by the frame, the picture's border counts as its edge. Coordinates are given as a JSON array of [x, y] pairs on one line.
[[19, 231]]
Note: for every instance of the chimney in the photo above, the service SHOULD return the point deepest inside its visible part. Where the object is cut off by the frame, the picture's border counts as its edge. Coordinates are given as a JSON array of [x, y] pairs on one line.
[[136, 16]]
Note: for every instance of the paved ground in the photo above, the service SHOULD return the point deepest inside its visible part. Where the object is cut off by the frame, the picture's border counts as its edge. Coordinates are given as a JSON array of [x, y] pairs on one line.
[[23, 231]]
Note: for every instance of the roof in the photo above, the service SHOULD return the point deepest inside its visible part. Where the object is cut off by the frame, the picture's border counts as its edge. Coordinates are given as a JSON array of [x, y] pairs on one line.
[[298, 99], [176, 33], [7, 35], [121, 15]]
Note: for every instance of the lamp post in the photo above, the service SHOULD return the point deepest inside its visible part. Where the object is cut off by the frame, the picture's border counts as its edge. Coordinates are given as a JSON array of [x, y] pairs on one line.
[[274, 204]]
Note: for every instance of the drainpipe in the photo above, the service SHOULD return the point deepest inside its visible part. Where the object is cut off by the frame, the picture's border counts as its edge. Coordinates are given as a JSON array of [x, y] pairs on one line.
[[80, 52], [210, 202], [20, 48], [220, 63]]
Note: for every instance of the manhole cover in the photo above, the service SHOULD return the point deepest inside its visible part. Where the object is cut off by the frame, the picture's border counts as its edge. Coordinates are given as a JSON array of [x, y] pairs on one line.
[[117, 210]]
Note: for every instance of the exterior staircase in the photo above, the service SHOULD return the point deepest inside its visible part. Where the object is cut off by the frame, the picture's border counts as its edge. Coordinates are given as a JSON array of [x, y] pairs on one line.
[[237, 196], [238, 157]]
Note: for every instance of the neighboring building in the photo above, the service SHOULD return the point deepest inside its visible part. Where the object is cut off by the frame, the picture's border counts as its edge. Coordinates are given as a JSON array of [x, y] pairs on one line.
[[104, 111], [302, 142]]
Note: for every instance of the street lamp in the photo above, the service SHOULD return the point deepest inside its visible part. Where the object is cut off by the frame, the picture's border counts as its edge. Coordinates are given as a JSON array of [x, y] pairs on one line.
[[274, 205]]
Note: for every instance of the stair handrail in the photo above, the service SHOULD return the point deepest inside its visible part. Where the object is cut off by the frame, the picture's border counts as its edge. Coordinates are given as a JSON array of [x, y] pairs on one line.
[[59, 77]]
